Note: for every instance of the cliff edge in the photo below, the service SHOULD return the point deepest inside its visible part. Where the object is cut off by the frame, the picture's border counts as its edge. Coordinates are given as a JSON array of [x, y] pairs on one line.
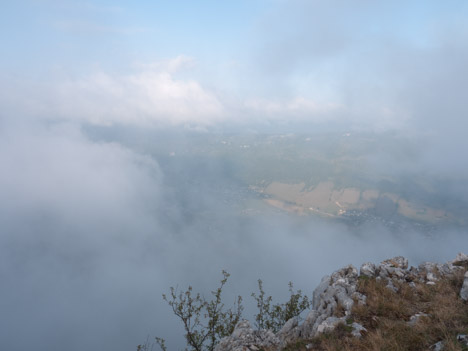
[[380, 307]]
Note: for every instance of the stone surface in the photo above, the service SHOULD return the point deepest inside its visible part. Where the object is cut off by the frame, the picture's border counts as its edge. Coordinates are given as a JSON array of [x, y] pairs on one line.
[[463, 339], [289, 332], [332, 296], [333, 300], [391, 286], [416, 318], [245, 338], [360, 298], [367, 269], [460, 259], [357, 329], [431, 277], [439, 346], [290, 325], [329, 324], [396, 262], [464, 289]]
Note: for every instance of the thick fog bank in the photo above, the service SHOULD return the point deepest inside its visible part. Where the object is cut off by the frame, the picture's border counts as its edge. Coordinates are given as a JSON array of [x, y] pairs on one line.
[[93, 232]]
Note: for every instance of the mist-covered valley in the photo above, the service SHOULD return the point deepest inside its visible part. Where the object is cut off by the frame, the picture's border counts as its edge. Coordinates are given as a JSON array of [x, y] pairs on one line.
[[145, 145], [99, 223]]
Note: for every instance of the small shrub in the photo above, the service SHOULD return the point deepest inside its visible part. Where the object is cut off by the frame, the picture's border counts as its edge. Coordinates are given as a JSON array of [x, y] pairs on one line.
[[273, 317], [205, 321]]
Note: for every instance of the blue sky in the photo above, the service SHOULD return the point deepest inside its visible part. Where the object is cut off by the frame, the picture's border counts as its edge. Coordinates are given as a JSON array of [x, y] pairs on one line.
[[316, 61], [116, 33]]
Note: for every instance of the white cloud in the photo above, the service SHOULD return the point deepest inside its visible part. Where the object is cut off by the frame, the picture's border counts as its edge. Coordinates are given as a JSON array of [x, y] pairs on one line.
[[152, 96]]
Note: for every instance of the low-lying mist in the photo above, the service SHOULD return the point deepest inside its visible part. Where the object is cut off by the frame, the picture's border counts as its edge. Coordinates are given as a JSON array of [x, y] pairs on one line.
[[95, 227]]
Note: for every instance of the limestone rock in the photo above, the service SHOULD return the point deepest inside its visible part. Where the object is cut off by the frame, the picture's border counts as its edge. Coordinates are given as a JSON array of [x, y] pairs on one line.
[[329, 324], [461, 259], [290, 332], [464, 289], [245, 338], [333, 292], [333, 300], [431, 272], [463, 339], [367, 269], [357, 329], [360, 298], [391, 286], [416, 318], [439, 346], [431, 277], [395, 269], [290, 325], [396, 262], [448, 269]]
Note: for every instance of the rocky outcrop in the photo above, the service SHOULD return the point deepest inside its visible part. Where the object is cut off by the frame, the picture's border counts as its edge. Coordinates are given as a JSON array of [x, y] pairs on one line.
[[335, 297], [464, 289], [244, 338], [332, 302], [460, 260]]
